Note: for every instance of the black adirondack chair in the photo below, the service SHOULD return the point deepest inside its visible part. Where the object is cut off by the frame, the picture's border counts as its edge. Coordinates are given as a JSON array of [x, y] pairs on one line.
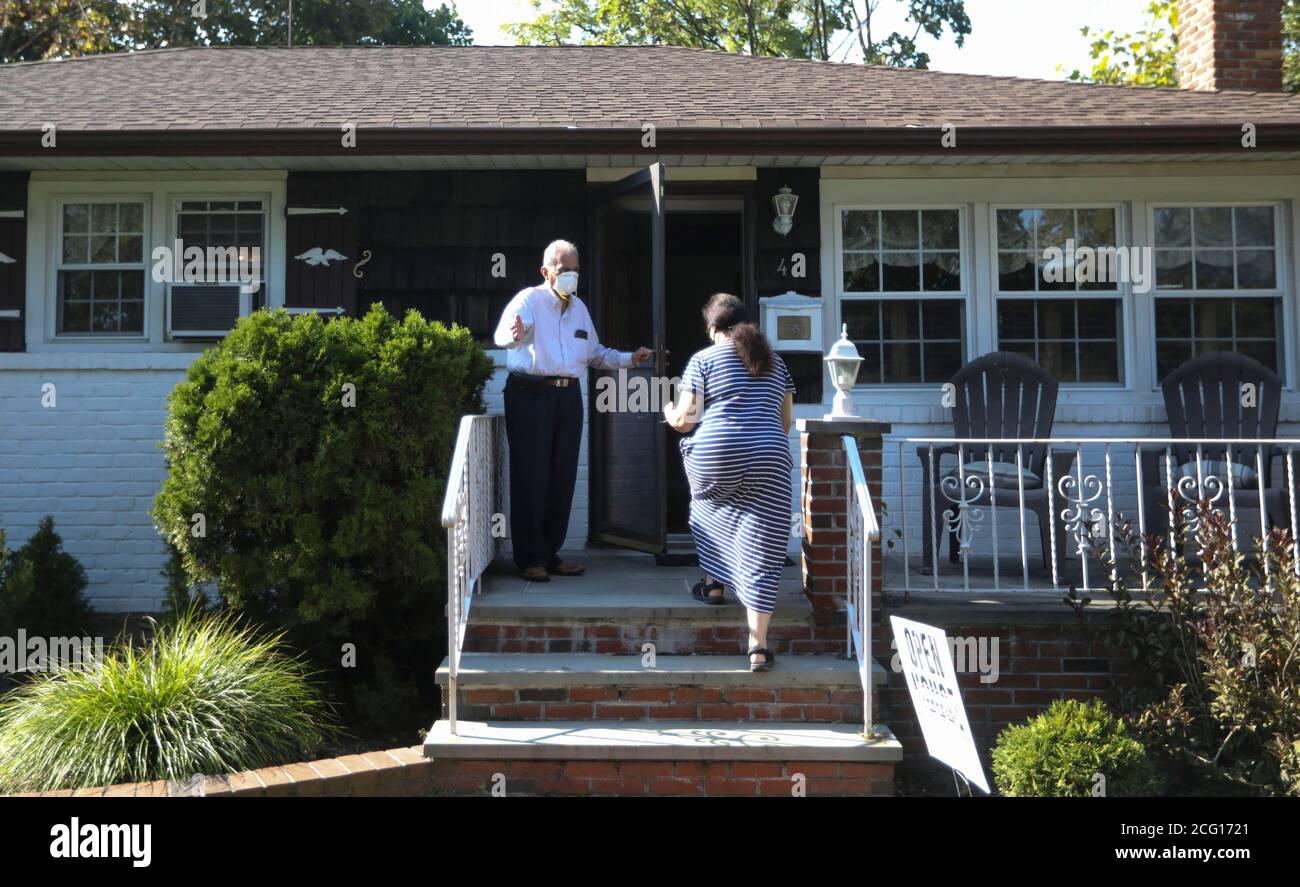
[[1206, 397], [999, 395]]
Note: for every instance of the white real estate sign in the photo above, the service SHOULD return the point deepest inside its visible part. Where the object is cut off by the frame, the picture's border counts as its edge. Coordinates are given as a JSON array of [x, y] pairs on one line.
[[932, 681]]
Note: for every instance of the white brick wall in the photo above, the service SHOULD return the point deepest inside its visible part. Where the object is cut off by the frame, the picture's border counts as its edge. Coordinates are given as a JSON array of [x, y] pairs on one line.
[[92, 461]]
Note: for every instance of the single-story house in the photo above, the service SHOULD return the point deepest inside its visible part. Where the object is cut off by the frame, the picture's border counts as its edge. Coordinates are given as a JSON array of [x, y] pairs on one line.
[[432, 178]]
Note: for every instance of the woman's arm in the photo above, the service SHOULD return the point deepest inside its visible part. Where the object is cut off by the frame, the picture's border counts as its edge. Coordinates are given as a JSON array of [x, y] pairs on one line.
[[685, 414], [787, 411]]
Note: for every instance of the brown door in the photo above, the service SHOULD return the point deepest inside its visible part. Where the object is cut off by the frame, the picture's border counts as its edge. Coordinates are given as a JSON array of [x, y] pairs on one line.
[[628, 436]]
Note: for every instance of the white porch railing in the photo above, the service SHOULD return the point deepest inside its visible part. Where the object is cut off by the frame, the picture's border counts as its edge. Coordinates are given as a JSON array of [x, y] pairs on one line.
[[1089, 487], [863, 533], [473, 496]]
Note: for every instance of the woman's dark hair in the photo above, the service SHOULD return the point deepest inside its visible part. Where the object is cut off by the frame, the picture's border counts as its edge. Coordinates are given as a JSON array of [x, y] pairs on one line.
[[726, 313]]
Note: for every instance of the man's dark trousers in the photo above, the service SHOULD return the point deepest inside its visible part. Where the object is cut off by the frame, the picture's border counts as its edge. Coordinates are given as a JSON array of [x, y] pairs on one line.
[[544, 428]]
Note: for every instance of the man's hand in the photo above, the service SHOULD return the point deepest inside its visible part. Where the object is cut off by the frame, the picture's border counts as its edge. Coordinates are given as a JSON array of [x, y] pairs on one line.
[[641, 355], [517, 329]]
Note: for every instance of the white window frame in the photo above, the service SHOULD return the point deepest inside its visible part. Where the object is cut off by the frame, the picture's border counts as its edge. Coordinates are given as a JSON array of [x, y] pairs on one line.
[[1289, 340], [1122, 290], [143, 201], [48, 190], [963, 295]]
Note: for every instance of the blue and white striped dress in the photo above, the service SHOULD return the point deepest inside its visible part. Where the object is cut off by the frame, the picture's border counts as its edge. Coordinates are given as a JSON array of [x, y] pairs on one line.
[[738, 463]]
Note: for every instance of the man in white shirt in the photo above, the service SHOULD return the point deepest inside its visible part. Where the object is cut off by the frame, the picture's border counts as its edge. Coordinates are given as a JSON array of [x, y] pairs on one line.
[[550, 342]]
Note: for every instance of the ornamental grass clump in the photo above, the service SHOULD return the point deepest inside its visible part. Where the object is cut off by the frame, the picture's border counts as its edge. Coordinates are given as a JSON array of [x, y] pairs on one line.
[[203, 696]]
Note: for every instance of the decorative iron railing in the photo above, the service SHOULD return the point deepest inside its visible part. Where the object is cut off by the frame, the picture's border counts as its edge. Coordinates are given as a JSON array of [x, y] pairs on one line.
[[469, 508], [1078, 493]]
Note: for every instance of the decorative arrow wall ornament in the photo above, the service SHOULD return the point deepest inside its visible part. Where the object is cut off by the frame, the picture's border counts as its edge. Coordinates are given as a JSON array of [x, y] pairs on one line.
[[317, 256], [316, 211], [11, 213], [317, 310]]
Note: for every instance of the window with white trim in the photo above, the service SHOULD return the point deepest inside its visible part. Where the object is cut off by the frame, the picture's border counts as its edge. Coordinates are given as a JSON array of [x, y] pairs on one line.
[[101, 269], [232, 228], [1218, 283], [903, 292], [1057, 294]]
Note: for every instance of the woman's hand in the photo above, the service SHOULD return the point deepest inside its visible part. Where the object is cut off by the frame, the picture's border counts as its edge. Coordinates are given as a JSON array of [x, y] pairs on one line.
[[685, 414]]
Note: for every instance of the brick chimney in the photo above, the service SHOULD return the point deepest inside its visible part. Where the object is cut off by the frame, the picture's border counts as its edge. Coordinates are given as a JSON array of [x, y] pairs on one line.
[[1230, 44]]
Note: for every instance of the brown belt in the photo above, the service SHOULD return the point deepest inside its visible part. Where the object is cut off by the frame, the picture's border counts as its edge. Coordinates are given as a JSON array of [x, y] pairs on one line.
[[556, 381]]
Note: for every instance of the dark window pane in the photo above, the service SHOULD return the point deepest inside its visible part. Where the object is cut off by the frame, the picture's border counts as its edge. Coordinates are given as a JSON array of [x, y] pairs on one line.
[[861, 273], [1171, 355], [1174, 318], [103, 249], [942, 272], [130, 248], [942, 361], [1016, 272], [1256, 317], [1256, 269], [863, 318], [869, 369], [76, 284], [1099, 362], [1173, 226], [1056, 319], [1015, 319], [941, 319], [1213, 318], [1016, 229], [76, 218], [76, 249], [106, 285], [939, 229], [1099, 269], [899, 229], [1173, 269], [1213, 269], [132, 283], [1052, 273], [1058, 359], [131, 218], [1213, 226], [1264, 352], [901, 320], [76, 317], [859, 229], [903, 362], [132, 317], [902, 272], [1254, 225], [1098, 318], [105, 317], [103, 218]]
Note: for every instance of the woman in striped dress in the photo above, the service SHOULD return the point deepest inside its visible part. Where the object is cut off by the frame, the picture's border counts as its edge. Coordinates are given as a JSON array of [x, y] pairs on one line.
[[740, 395]]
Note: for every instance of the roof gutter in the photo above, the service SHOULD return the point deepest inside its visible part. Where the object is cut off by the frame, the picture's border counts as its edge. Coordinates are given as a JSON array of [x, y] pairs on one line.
[[1152, 139]]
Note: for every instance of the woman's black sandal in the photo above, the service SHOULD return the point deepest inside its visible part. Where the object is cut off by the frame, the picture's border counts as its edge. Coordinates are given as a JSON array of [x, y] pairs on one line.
[[769, 659], [700, 591]]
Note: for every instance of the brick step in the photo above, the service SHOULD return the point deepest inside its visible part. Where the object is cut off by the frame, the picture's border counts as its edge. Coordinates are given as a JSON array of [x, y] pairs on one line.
[[555, 686], [661, 758]]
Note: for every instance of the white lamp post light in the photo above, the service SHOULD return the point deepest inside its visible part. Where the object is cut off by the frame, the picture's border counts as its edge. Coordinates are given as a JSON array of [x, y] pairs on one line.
[[843, 361], [784, 201]]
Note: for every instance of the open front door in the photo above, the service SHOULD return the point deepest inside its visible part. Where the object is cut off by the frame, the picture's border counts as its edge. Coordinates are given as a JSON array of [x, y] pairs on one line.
[[628, 434]]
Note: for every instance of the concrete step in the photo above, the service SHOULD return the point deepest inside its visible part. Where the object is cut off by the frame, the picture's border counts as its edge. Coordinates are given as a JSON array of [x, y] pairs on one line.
[[625, 600], [680, 758], [555, 686]]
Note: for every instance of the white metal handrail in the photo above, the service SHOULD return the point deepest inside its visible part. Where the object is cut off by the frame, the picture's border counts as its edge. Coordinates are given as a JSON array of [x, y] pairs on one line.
[[471, 500], [863, 531], [1087, 485]]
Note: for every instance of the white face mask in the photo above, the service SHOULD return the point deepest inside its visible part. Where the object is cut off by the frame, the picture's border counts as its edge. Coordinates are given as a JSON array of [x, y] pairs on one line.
[[567, 282]]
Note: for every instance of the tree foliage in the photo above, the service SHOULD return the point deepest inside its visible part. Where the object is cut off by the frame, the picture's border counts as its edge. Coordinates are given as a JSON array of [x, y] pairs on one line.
[[813, 29], [43, 29]]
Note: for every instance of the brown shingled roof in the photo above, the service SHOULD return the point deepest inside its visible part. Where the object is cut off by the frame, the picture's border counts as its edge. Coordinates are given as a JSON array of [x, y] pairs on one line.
[[173, 92]]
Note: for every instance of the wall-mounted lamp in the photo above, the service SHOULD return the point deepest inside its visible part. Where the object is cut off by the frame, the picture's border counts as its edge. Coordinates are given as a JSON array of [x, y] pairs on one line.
[[784, 202]]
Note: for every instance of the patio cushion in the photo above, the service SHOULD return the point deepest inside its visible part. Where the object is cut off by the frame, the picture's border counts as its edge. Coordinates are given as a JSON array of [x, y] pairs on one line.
[[1243, 475], [1004, 475]]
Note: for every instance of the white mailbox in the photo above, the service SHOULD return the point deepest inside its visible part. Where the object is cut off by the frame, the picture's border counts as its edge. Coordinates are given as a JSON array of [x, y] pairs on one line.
[[793, 322]]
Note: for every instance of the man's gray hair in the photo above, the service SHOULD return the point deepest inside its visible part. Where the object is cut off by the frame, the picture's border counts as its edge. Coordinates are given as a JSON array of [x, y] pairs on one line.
[[554, 250]]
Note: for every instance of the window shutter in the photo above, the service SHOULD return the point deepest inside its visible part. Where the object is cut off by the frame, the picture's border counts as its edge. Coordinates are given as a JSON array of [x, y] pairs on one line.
[[321, 241], [13, 264]]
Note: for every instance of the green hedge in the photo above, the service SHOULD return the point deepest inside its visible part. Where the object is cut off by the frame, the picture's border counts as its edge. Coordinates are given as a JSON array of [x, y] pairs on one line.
[[306, 466]]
